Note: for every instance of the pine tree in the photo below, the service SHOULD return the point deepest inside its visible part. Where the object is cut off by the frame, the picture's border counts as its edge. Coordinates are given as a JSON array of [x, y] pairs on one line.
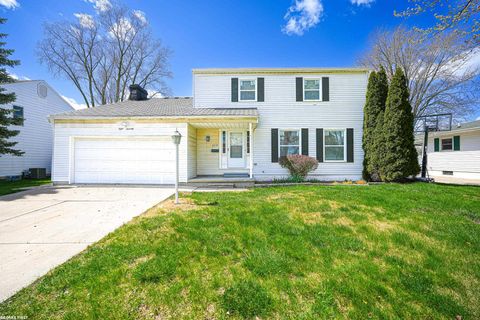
[[400, 160], [6, 117], [374, 107]]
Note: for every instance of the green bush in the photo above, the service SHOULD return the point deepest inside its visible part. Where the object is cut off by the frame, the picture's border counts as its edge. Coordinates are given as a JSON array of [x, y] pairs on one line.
[[247, 299]]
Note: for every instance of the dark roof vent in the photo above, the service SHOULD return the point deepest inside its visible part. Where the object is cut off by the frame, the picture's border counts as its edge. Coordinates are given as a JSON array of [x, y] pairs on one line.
[[137, 93]]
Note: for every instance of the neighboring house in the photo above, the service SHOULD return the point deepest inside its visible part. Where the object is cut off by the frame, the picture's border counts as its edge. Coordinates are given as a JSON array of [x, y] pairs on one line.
[[35, 101], [238, 123], [455, 153]]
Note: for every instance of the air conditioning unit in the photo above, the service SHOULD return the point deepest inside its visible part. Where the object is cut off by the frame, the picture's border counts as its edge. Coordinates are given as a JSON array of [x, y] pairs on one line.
[[38, 173]]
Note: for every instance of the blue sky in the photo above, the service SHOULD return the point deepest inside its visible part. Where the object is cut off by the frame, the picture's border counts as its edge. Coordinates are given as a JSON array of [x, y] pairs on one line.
[[220, 33]]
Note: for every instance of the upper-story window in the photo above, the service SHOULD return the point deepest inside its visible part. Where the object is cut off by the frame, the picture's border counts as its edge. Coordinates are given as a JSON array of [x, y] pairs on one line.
[[18, 114], [311, 89], [248, 90]]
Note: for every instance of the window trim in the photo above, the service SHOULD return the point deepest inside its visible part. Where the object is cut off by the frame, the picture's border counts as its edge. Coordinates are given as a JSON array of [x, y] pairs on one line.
[[319, 90], [240, 90], [441, 144], [299, 140], [344, 145], [23, 114]]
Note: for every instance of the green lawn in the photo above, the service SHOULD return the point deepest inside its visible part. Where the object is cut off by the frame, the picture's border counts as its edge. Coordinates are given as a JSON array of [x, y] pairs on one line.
[[351, 252], [7, 187]]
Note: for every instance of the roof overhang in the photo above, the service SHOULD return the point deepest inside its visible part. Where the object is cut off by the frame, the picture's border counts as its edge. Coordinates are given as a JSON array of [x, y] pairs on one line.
[[186, 119], [213, 71]]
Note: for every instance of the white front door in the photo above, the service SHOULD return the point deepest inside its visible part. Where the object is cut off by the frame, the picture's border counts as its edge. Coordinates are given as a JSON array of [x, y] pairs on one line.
[[236, 153]]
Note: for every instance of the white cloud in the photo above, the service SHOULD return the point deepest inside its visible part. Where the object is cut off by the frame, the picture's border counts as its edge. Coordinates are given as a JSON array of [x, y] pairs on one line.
[[362, 2], [101, 5], [140, 15], [74, 103], [10, 4], [469, 62], [302, 15], [17, 77], [85, 20], [478, 118], [122, 29]]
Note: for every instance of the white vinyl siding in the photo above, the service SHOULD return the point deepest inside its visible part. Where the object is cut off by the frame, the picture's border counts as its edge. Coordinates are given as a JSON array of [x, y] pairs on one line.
[[36, 133], [280, 110], [464, 163]]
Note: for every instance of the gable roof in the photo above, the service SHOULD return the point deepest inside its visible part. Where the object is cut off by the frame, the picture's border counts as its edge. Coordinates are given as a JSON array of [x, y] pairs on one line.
[[155, 108]]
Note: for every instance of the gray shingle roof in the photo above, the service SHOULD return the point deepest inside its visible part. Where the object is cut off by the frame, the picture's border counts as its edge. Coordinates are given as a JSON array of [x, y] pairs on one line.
[[466, 125], [157, 107]]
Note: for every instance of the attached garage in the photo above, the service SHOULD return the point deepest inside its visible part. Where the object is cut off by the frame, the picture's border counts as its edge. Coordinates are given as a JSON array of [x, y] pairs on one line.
[[124, 160]]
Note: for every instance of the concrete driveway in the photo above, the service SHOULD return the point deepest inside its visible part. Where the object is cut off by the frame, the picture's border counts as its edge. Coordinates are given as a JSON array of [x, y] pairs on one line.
[[42, 228]]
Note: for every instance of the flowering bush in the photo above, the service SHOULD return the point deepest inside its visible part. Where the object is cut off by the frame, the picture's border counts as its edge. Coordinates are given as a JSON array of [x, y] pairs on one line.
[[298, 165]]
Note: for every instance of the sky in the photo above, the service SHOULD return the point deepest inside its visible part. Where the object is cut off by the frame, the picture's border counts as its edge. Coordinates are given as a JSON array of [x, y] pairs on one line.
[[220, 33]]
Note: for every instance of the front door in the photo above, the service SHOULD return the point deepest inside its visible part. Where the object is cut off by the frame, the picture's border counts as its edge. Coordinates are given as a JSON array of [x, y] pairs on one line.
[[236, 156]]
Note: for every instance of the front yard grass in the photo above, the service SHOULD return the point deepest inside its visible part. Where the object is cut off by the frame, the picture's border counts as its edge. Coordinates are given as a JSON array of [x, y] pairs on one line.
[[308, 252], [7, 187]]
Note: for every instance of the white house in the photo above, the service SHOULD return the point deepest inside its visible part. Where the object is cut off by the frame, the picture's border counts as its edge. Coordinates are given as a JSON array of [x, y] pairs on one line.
[[35, 101], [238, 123], [455, 153]]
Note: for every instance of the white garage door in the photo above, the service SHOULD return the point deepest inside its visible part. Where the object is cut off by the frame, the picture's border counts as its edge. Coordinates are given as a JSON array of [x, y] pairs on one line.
[[122, 160]]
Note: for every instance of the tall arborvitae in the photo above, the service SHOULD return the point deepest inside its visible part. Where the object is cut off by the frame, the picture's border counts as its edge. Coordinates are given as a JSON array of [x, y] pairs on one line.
[[6, 117], [400, 159], [377, 91]]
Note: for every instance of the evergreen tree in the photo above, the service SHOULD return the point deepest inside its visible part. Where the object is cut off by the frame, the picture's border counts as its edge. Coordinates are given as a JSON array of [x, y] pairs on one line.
[[6, 116], [400, 160], [377, 91]]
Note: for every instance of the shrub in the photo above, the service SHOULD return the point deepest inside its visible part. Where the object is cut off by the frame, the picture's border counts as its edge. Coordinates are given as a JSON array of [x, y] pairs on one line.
[[298, 165], [248, 299]]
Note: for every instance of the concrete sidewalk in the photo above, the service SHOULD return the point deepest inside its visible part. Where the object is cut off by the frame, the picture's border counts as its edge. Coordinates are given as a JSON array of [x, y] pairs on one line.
[[44, 227]]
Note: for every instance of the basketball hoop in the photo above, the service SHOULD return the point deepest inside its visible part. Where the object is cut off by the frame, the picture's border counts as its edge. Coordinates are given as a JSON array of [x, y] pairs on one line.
[[431, 123]]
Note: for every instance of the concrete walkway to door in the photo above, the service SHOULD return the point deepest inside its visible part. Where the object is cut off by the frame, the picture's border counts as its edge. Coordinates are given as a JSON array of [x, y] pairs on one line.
[[44, 227]]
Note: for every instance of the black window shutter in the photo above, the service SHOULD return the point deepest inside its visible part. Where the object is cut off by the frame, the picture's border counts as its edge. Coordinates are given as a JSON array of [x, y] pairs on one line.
[[261, 89], [305, 142], [325, 89], [456, 143], [234, 89], [319, 138], [350, 145], [299, 88], [274, 145]]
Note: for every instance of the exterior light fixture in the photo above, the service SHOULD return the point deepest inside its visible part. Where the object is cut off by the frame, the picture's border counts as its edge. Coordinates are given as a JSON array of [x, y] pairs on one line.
[[176, 138]]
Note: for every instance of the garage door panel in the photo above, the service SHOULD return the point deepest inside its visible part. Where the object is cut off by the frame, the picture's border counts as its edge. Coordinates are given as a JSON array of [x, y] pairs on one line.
[[124, 161]]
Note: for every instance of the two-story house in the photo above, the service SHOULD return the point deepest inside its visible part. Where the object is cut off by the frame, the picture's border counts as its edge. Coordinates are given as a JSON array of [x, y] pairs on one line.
[[238, 124], [35, 101]]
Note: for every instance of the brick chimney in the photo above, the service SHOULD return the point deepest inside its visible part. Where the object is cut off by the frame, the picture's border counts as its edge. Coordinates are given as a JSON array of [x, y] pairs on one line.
[[137, 93]]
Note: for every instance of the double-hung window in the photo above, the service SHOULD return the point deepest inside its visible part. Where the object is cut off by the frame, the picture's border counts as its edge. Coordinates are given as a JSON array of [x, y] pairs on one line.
[[248, 90], [334, 142], [447, 144], [289, 142], [311, 89]]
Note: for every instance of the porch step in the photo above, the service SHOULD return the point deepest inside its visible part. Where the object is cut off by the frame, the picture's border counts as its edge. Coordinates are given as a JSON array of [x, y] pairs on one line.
[[236, 175]]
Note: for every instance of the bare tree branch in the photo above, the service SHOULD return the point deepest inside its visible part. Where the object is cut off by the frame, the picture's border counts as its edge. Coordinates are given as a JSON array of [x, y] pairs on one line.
[[437, 67]]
